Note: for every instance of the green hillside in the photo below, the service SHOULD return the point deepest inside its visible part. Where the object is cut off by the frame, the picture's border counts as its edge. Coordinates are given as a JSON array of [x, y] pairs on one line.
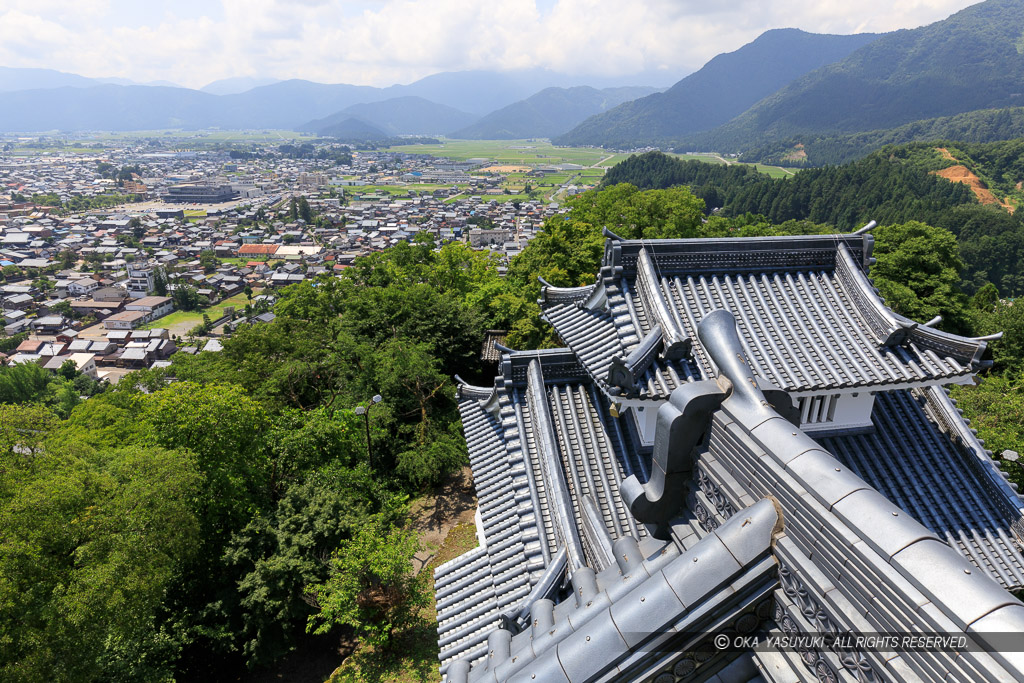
[[984, 125], [972, 60], [894, 185], [722, 89]]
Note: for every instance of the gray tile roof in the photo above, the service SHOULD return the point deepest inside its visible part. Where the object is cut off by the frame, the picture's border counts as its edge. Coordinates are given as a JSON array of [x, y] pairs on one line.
[[884, 525], [502, 429], [473, 590], [641, 610], [919, 468], [809, 318]]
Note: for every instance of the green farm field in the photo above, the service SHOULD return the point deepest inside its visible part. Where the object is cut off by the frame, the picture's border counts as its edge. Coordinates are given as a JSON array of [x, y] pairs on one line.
[[509, 152], [543, 153]]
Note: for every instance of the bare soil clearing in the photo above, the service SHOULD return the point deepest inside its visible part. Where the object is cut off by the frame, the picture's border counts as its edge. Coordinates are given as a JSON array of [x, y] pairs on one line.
[[798, 153], [962, 174], [506, 169]]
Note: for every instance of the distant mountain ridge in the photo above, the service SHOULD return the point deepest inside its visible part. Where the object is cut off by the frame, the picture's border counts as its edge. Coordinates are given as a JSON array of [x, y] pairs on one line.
[[237, 85], [12, 79], [971, 61], [551, 112], [397, 116], [722, 89], [68, 102]]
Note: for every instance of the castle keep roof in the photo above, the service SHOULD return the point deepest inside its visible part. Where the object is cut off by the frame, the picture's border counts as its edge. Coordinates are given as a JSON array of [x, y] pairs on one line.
[[687, 467]]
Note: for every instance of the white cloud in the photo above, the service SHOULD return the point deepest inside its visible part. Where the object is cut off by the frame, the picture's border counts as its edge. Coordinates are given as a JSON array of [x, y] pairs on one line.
[[379, 42]]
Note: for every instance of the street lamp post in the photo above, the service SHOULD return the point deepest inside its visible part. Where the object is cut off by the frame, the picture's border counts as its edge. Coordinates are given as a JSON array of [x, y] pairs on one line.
[[365, 412]]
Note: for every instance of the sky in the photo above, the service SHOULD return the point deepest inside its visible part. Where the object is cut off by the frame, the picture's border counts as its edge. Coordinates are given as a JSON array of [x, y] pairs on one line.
[[383, 42]]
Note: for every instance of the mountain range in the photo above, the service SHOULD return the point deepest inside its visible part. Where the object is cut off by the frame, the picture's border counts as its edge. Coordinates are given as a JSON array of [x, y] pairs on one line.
[[725, 87], [789, 95], [407, 115], [551, 112], [970, 61], [40, 100], [795, 97], [33, 79]]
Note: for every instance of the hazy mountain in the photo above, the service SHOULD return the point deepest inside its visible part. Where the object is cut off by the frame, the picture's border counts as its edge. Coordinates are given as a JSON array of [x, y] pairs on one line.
[[725, 87], [69, 102], [239, 84], [30, 79], [352, 129], [108, 107], [399, 116], [12, 79], [128, 81], [972, 60], [550, 112], [481, 92]]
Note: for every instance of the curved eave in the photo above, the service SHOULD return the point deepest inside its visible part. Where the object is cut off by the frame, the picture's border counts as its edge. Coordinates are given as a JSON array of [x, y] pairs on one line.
[[549, 294], [466, 390], [965, 438], [965, 350]]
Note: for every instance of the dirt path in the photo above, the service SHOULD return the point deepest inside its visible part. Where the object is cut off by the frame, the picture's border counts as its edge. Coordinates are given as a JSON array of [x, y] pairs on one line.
[[435, 515], [945, 153]]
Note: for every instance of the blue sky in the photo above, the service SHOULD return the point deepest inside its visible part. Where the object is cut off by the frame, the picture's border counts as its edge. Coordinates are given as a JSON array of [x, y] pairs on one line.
[[380, 42]]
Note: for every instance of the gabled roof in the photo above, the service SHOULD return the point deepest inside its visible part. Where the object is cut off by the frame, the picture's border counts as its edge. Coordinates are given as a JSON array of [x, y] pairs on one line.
[[809, 318]]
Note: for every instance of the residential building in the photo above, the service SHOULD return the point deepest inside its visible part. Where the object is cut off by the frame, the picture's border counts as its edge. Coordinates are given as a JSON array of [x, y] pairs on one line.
[[154, 306], [126, 320], [140, 281]]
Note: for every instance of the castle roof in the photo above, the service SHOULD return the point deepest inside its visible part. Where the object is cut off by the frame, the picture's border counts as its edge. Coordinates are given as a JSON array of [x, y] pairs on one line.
[[622, 526], [809, 317]]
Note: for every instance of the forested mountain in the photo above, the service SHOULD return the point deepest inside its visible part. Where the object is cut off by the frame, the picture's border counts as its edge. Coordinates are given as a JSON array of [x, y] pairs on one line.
[[725, 87], [893, 185], [985, 125], [969, 61], [351, 129], [550, 112], [397, 116]]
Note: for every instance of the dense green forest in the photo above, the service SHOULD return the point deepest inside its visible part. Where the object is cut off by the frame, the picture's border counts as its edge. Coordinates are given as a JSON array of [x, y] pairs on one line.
[[985, 125], [206, 527], [893, 185]]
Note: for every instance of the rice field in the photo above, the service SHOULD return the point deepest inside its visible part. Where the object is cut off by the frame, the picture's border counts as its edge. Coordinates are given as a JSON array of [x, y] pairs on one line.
[[508, 152]]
